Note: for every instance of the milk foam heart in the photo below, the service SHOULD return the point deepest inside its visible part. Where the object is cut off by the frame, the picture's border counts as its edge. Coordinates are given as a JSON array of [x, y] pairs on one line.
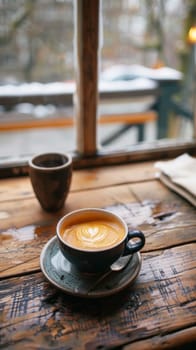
[[93, 234]]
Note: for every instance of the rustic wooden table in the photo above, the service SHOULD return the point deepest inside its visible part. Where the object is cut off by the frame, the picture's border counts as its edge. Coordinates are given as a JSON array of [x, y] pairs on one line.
[[157, 311]]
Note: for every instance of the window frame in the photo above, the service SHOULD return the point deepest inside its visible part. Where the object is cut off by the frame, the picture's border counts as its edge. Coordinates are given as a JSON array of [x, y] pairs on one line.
[[87, 54]]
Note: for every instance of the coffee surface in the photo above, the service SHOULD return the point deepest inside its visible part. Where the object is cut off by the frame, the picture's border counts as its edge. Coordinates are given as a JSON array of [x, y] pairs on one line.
[[94, 234]]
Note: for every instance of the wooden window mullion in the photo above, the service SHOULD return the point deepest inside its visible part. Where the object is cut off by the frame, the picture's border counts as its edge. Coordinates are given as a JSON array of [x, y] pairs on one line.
[[86, 97]]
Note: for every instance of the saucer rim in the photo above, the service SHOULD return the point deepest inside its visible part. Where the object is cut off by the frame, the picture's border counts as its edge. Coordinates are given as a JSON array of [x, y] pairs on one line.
[[92, 294]]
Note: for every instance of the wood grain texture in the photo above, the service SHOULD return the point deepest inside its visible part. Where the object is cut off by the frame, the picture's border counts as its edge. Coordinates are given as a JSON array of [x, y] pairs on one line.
[[156, 151], [20, 188], [161, 301], [182, 340], [86, 96], [164, 223], [157, 312]]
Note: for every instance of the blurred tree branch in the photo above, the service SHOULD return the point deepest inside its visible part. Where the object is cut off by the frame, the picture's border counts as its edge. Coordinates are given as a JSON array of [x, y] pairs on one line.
[[20, 17]]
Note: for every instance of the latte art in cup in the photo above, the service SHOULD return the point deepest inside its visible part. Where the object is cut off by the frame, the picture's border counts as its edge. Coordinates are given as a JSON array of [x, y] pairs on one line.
[[93, 235], [92, 239]]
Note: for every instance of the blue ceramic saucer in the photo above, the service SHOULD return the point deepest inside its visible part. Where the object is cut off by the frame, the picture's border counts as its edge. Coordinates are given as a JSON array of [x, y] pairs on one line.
[[62, 274]]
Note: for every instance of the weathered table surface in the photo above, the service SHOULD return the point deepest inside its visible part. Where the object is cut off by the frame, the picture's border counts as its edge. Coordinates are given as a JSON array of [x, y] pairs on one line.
[[158, 311]]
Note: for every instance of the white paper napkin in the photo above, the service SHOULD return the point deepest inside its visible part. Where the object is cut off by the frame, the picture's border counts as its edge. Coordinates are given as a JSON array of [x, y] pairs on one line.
[[179, 174]]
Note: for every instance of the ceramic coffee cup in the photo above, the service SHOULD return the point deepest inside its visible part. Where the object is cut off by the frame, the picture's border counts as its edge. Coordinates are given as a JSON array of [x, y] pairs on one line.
[[92, 239], [51, 175]]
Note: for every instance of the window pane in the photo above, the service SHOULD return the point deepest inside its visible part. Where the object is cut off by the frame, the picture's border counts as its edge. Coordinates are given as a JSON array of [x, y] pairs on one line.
[[139, 42], [36, 76], [146, 54]]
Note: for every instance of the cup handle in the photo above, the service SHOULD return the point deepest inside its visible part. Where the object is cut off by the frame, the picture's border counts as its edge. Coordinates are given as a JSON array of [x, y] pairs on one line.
[[132, 247]]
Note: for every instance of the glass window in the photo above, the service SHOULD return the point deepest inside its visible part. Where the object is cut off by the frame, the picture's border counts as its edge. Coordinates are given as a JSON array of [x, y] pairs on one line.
[[145, 51], [36, 76], [145, 81]]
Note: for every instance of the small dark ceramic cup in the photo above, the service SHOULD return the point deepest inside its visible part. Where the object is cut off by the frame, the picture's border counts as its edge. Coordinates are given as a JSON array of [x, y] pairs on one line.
[[50, 175], [93, 261]]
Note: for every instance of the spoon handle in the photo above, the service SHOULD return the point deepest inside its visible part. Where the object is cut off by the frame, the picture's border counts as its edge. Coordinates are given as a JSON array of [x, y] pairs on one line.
[[111, 270], [100, 279]]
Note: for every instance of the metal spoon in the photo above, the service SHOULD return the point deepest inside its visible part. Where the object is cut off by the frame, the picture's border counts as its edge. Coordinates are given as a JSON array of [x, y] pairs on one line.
[[117, 266], [121, 263]]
